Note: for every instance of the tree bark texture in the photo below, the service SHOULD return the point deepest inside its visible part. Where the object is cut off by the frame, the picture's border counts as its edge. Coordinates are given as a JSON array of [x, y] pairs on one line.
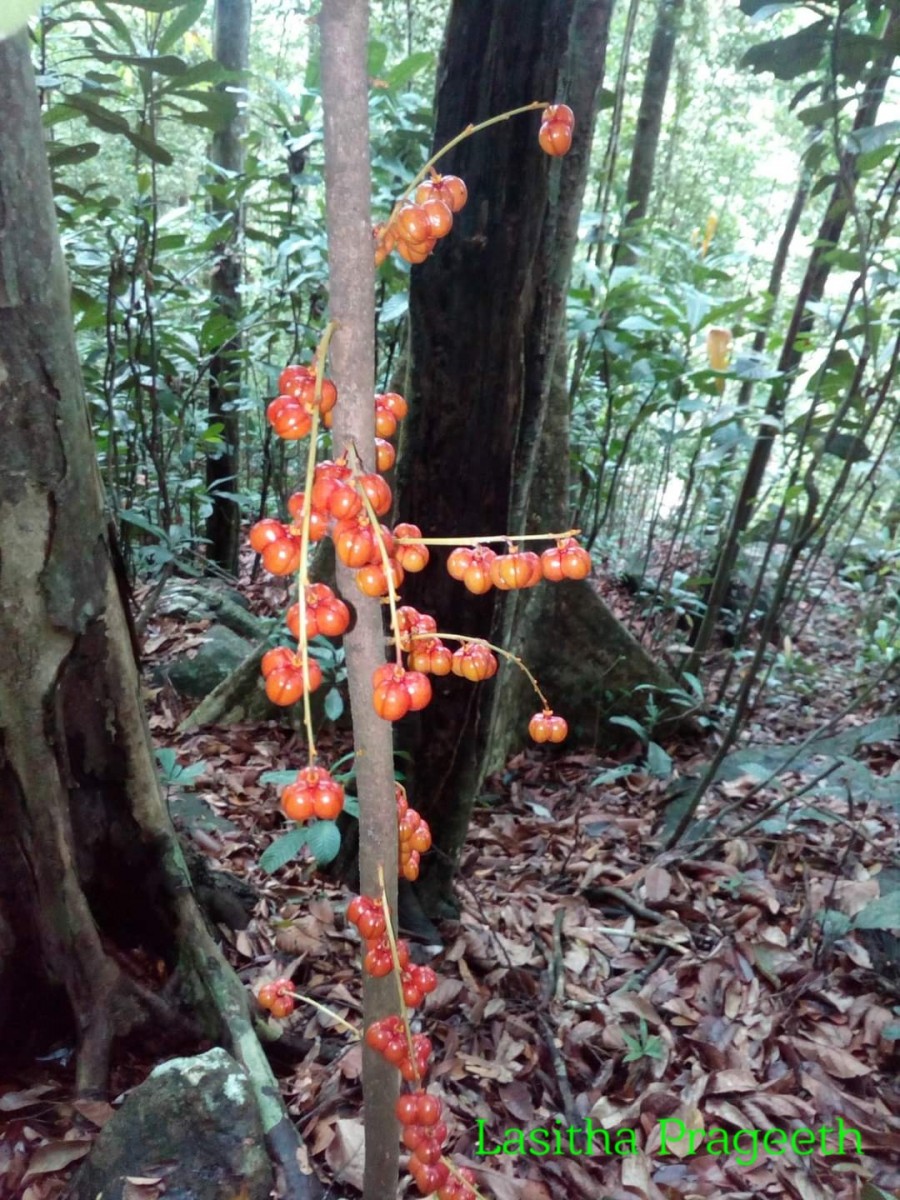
[[231, 24], [93, 885], [486, 316]]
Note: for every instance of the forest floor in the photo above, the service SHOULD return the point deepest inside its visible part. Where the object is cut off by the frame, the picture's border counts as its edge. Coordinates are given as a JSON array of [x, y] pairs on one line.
[[594, 980]]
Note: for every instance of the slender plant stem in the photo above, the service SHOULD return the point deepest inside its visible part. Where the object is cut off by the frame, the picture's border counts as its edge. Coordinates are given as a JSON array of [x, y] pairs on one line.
[[303, 572], [508, 538], [507, 654]]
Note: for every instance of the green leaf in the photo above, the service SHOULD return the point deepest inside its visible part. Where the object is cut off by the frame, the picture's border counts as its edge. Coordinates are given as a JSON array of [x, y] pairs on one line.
[[409, 67], [324, 839], [161, 64], [790, 56], [153, 150], [847, 447], [395, 308], [834, 924], [834, 376], [334, 704], [612, 774], [760, 10], [351, 806], [659, 763], [154, 6], [167, 760], [754, 367], [630, 723], [65, 156], [283, 849], [876, 137], [97, 115], [113, 19], [278, 777], [853, 53], [191, 12], [819, 114], [130, 517], [871, 1192], [376, 59], [883, 913], [202, 72]]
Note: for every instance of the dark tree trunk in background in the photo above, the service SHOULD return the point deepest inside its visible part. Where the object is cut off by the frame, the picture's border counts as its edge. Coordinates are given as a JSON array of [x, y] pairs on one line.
[[486, 315], [649, 121], [93, 885], [232, 51]]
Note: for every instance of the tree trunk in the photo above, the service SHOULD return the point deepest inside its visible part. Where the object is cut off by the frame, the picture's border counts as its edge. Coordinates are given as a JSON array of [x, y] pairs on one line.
[[351, 287], [649, 121], [83, 816], [486, 312], [223, 526]]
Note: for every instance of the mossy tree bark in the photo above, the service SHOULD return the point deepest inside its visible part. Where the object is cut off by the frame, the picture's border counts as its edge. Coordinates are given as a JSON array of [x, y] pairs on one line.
[[93, 885], [485, 337]]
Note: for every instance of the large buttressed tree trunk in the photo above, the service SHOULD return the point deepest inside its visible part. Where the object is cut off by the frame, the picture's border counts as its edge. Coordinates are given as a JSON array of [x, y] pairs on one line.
[[93, 886], [486, 320]]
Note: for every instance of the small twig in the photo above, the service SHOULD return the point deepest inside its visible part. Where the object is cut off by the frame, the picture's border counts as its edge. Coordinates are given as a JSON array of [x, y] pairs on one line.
[[653, 939], [559, 1070], [627, 901], [556, 977], [640, 977], [142, 620], [769, 811]]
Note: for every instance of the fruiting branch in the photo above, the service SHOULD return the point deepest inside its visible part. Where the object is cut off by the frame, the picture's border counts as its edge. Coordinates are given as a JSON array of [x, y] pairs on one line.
[[468, 132], [508, 538]]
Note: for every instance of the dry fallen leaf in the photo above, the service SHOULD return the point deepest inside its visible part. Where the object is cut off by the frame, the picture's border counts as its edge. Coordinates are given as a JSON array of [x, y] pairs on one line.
[[54, 1156]]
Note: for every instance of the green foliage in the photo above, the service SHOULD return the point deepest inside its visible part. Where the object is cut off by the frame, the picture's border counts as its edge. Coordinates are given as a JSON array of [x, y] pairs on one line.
[[643, 1045], [322, 837], [659, 442], [173, 774]]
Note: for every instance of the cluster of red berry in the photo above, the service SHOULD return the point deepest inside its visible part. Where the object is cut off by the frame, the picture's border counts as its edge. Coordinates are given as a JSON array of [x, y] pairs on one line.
[[277, 997], [414, 836], [424, 1134], [397, 691], [555, 134], [314, 793], [368, 917], [282, 669], [419, 1113], [415, 227], [290, 413], [388, 1038], [480, 568], [347, 505], [326, 614]]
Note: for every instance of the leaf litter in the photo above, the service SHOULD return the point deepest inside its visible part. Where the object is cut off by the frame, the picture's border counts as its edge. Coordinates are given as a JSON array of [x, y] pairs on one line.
[[591, 976]]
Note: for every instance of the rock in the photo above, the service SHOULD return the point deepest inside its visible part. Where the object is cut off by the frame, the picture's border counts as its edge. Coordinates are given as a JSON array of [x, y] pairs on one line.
[[221, 653], [192, 1125]]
